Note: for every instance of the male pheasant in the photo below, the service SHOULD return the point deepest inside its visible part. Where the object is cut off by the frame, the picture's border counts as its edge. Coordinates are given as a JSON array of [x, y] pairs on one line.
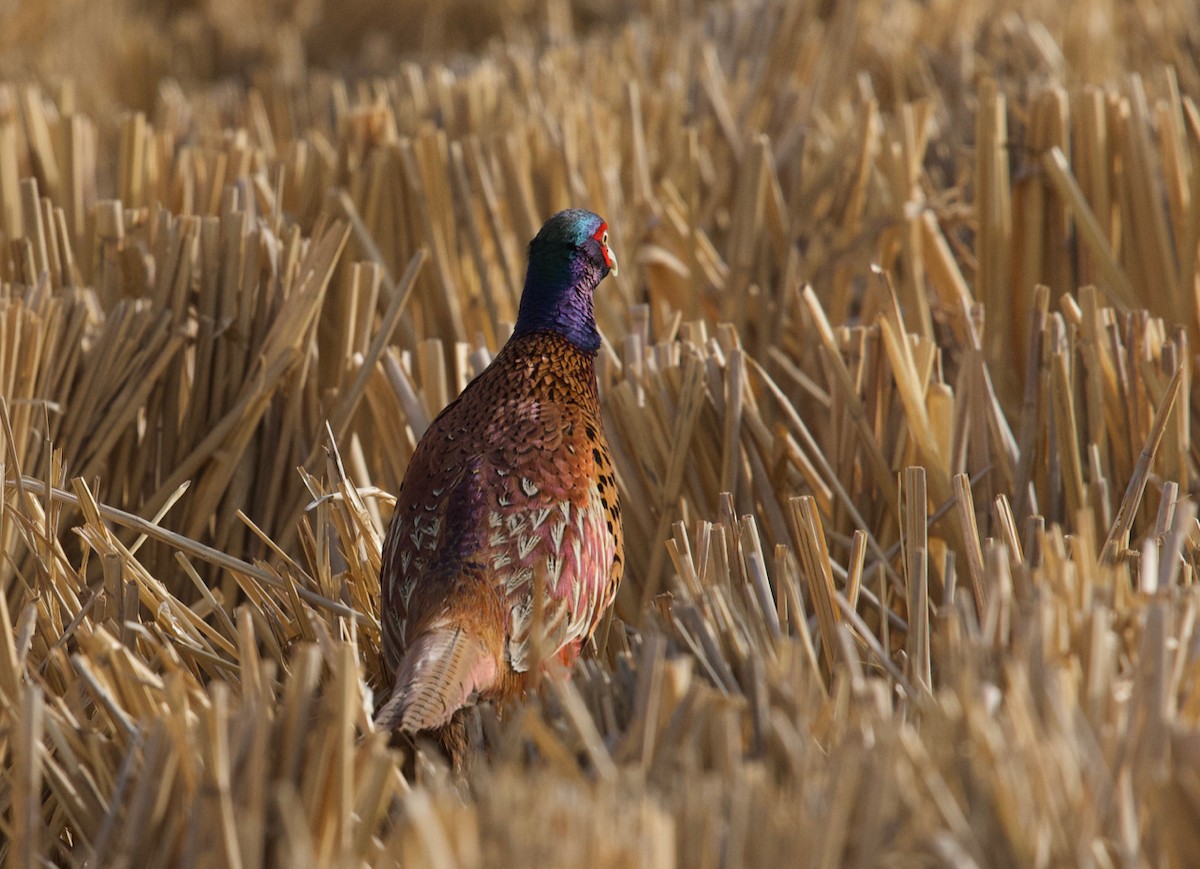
[[505, 548]]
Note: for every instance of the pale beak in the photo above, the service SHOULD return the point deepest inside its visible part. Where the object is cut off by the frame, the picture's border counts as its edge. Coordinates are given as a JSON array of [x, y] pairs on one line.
[[612, 261]]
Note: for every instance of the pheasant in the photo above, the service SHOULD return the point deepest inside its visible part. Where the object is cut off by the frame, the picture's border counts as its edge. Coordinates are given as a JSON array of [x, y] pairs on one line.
[[505, 548]]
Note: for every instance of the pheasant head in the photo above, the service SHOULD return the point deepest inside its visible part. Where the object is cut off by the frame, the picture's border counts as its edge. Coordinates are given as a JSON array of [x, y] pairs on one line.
[[567, 260]]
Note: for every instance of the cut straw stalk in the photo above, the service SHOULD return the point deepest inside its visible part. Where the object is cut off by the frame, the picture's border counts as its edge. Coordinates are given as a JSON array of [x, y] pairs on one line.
[[1118, 535], [1116, 284], [814, 562], [916, 563]]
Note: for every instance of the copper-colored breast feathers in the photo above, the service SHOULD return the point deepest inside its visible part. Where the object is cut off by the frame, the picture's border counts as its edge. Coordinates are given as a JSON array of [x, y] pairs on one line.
[[510, 497]]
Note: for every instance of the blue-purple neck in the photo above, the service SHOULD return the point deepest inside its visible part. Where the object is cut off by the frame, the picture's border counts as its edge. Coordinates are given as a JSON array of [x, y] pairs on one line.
[[559, 299]]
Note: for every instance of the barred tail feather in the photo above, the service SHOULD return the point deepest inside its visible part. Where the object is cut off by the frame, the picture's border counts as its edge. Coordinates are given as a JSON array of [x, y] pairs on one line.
[[438, 675]]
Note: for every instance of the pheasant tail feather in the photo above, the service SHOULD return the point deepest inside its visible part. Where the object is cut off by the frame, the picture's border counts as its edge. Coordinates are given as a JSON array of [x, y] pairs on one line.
[[439, 674]]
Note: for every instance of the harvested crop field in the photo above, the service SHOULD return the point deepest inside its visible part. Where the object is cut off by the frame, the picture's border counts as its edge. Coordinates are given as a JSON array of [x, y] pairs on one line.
[[897, 375]]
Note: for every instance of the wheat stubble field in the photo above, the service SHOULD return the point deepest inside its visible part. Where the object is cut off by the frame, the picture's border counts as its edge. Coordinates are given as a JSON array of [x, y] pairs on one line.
[[898, 375]]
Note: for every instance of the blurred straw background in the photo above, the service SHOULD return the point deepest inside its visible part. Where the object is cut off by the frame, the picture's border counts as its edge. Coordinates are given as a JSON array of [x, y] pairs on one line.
[[898, 377]]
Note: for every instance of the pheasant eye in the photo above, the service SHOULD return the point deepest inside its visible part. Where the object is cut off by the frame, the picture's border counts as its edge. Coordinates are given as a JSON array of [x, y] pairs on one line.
[[601, 236]]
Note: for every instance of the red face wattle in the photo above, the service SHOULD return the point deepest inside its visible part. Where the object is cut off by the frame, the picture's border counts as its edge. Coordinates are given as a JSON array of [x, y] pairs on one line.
[[609, 259]]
